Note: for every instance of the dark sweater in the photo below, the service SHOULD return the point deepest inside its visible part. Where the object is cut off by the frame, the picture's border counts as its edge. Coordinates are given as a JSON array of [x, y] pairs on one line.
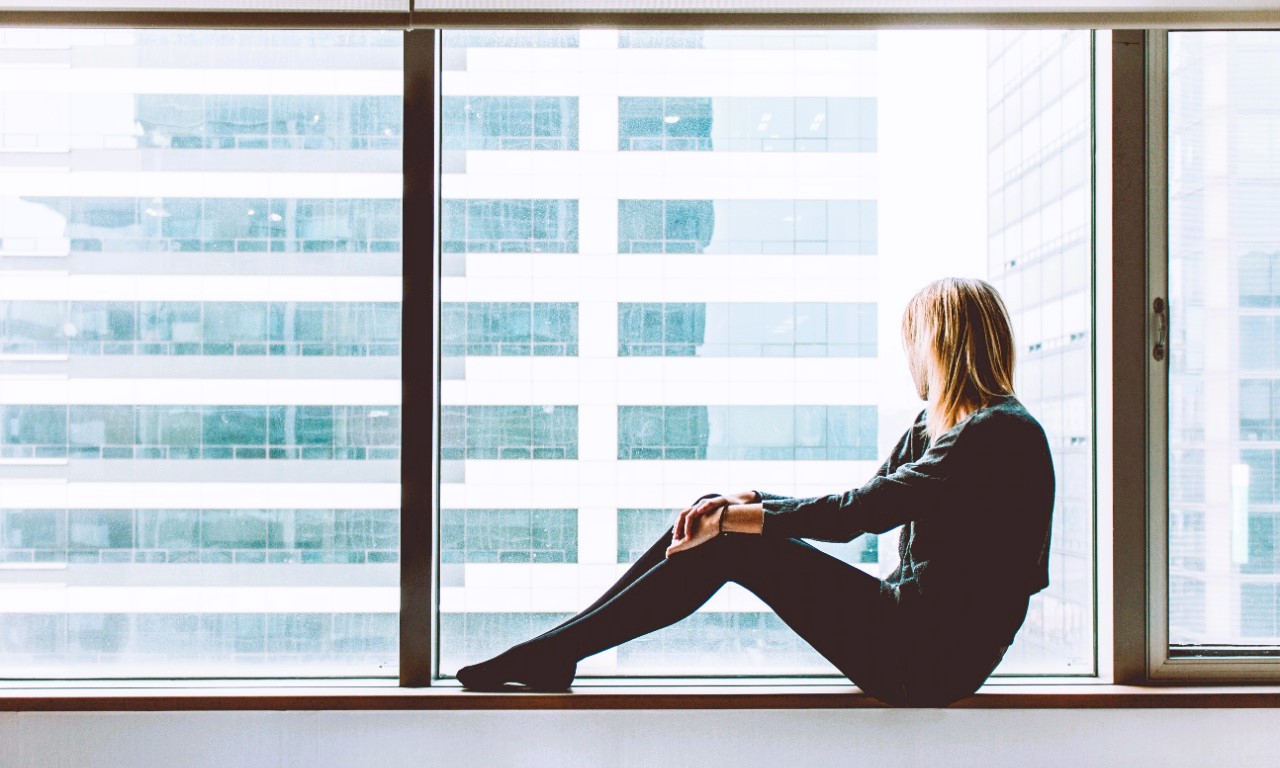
[[976, 508]]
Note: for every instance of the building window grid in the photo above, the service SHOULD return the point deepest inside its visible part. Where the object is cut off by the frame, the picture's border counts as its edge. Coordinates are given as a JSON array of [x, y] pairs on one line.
[[228, 225], [750, 329], [509, 123], [335, 641], [171, 536], [175, 432], [337, 329], [508, 432], [509, 329], [508, 536], [747, 432], [273, 122], [746, 124], [509, 226], [780, 227]]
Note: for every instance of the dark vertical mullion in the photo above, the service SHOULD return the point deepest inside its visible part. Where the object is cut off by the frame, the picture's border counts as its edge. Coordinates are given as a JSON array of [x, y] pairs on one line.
[[418, 386], [1129, 319]]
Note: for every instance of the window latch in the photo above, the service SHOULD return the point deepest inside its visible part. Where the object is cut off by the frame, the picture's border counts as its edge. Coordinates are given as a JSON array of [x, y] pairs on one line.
[[1162, 329]]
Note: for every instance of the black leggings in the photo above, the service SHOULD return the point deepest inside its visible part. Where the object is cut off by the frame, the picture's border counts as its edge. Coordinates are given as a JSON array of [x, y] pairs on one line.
[[845, 614]]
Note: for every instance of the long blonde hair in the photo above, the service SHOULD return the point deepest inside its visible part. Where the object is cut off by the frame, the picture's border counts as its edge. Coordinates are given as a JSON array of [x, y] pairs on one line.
[[959, 347]]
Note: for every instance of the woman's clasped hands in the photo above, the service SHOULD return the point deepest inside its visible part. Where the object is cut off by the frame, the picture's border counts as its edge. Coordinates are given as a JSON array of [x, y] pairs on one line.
[[697, 524]]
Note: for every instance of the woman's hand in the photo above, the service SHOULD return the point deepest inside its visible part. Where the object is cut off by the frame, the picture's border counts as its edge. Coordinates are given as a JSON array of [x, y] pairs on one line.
[[697, 524]]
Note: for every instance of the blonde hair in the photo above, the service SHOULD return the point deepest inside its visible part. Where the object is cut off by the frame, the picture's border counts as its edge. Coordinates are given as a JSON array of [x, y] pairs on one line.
[[959, 347]]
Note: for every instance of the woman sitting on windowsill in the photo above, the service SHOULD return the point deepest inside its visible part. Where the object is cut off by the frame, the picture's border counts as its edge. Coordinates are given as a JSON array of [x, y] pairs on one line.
[[971, 482]]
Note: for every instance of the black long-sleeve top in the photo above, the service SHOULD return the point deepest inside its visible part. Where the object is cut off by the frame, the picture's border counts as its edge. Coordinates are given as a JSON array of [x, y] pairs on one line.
[[975, 503]]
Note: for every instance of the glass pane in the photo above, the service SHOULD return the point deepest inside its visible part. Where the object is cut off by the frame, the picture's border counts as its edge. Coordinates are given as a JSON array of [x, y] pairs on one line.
[[1224, 374], [199, 342], [709, 322]]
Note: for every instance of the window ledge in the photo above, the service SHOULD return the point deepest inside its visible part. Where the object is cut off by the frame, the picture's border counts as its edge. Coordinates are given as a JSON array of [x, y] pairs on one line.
[[599, 695]]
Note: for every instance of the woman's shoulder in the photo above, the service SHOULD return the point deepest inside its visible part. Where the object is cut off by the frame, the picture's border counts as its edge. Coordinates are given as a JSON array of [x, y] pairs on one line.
[[1005, 418]]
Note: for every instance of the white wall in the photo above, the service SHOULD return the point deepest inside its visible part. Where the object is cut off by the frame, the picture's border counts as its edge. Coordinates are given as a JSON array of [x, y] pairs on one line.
[[876, 738]]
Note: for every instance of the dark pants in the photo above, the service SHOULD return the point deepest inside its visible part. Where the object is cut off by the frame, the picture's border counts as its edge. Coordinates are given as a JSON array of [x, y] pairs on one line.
[[847, 615]]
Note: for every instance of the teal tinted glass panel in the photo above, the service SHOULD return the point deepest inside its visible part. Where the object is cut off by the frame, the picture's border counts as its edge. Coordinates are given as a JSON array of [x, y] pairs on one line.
[[1260, 280], [783, 227], [509, 432], [509, 226], [638, 529], [159, 536], [509, 122], [358, 329], [746, 329], [747, 124], [349, 432], [509, 329], [508, 536], [1264, 475], [226, 225], [221, 121], [148, 639], [747, 432]]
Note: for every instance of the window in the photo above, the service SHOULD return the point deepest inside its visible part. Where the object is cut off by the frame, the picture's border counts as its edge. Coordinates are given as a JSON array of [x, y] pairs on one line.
[[745, 432], [200, 328], [200, 346], [109, 226], [509, 226], [509, 122], [745, 124], [747, 329], [509, 329], [508, 536], [306, 536], [747, 226], [215, 121], [737, 248], [508, 432], [1224, 390]]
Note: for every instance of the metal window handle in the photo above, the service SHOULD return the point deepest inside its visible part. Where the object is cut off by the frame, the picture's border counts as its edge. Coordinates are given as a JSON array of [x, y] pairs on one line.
[[1162, 328]]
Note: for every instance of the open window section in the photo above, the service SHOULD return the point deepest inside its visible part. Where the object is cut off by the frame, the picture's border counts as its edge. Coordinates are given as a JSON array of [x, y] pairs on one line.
[[200, 354], [1224, 364], [675, 262]]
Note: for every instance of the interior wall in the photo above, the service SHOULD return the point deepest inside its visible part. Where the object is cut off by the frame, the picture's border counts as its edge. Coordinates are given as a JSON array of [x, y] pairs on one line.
[[868, 737]]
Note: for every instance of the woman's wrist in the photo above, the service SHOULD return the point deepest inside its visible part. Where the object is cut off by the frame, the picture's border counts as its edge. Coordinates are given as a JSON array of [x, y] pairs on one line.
[[742, 518]]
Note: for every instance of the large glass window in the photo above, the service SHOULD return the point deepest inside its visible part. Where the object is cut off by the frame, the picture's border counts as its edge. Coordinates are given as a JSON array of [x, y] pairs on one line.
[[736, 319], [1224, 304], [509, 122], [199, 342], [747, 226], [200, 328], [746, 124], [746, 329]]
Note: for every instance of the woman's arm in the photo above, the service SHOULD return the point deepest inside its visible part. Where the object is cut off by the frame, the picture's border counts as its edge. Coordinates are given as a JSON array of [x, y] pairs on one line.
[[709, 518], [907, 492]]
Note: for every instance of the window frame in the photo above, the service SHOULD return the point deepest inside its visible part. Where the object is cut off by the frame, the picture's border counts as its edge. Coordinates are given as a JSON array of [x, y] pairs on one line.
[[1161, 665], [1130, 263]]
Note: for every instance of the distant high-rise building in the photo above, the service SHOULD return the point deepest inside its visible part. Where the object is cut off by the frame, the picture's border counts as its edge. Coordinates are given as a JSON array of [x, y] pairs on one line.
[[1224, 375]]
